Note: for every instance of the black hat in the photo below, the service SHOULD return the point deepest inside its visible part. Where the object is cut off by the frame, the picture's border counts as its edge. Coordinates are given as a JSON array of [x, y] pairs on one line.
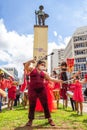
[[40, 62], [64, 64]]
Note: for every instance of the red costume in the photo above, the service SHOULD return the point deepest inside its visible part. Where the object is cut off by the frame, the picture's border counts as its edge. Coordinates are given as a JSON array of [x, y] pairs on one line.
[[12, 92], [50, 97], [57, 86], [3, 84], [37, 90], [86, 76], [78, 96]]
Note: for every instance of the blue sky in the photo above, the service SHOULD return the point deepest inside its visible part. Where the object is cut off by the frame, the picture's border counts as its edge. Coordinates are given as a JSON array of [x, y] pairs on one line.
[[17, 19], [64, 15]]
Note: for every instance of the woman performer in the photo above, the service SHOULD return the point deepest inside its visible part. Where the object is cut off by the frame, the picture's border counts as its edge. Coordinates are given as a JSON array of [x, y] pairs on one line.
[[3, 84], [12, 95], [78, 95], [37, 89]]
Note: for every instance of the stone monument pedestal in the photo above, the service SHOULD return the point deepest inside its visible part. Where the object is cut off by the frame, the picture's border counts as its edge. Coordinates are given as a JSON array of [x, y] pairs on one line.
[[40, 42]]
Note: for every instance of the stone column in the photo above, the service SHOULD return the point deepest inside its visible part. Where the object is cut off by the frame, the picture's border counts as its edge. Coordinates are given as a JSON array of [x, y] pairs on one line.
[[40, 41]]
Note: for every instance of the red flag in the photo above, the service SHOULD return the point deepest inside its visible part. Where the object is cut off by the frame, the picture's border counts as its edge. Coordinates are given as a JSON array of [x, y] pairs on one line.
[[70, 64]]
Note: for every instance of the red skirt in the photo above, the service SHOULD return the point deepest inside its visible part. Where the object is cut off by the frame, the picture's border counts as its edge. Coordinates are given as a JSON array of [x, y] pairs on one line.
[[12, 93], [50, 98], [63, 91], [78, 96]]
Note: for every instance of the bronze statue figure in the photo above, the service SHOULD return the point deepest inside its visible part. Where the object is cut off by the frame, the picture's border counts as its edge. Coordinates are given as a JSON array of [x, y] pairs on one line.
[[41, 16]]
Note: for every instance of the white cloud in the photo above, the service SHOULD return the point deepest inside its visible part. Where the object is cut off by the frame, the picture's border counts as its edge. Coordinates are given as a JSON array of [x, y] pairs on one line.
[[62, 42], [55, 33], [14, 48], [4, 56], [66, 40]]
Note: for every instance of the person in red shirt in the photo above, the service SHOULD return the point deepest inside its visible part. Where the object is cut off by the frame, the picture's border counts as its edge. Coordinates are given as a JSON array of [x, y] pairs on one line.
[[11, 94], [78, 95], [3, 85]]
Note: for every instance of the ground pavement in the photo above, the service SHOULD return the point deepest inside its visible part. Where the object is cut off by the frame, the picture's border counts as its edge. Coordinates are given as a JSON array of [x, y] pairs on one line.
[[61, 101], [84, 105]]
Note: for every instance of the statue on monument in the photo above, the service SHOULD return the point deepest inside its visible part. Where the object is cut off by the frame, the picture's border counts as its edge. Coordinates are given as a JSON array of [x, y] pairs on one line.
[[41, 16]]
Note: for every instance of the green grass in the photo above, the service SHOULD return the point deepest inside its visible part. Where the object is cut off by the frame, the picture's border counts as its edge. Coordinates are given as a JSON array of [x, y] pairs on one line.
[[64, 119]]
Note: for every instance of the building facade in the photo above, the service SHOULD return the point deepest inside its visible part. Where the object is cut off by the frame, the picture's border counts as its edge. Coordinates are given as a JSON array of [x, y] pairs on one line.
[[57, 58], [77, 49]]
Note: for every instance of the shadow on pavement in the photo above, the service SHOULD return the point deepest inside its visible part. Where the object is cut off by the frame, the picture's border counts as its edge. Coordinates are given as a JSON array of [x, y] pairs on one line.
[[38, 127]]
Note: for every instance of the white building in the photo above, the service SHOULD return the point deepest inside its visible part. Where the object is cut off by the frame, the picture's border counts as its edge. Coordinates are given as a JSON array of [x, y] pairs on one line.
[[13, 71], [57, 58], [77, 49]]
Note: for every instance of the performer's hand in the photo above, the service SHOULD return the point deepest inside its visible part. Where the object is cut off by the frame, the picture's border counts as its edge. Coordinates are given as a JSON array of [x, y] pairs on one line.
[[30, 61], [79, 72]]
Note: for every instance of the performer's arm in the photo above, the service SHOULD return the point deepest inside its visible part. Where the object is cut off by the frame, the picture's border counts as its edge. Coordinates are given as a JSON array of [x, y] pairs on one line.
[[27, 66], [52, 79], [76, 74], [57, 68], [84, 81]]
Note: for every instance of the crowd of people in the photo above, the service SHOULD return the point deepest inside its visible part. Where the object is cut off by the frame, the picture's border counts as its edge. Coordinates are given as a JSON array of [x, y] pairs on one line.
[[44, 89], [9, 85]]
